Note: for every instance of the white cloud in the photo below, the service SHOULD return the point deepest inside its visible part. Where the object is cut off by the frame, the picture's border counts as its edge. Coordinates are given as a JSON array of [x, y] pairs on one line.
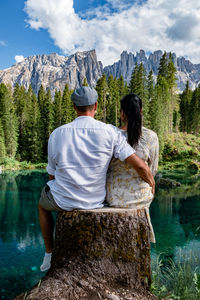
[[149, 25], [19, 58]]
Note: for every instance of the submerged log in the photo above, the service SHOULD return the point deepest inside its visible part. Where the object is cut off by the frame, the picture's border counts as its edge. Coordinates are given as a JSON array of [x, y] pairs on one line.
[[98, 254]]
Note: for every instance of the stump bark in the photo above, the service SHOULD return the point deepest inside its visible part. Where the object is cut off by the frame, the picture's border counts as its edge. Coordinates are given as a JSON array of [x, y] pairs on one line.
[[98, 254]]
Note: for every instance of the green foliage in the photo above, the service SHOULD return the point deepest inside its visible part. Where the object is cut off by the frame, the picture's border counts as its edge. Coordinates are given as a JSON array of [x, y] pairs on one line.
[[57, 109], [181, 145], [122, 87], [67, 106], [179, 279], [103, 93], [185, 111], [163, 69], [2, 143], [138, 85], [85, 82], [113, 107], [46, 119], [195, 111], [27, 120], [13, 164], [158, 114], [8, 120]]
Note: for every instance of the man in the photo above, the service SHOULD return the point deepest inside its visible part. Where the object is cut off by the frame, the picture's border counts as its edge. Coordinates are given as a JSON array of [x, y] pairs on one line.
[[79, 154]]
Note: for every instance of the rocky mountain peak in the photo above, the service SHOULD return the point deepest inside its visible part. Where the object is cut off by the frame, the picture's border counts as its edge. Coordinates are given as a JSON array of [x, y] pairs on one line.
[[54, 71], [125, 66]]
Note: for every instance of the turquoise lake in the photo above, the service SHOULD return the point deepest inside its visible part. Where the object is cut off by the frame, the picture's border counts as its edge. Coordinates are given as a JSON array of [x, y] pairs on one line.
[[175, 215]]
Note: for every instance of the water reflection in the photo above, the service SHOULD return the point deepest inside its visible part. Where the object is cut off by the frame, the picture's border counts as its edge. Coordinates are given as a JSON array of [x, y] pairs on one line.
[[21, 244], [175, 216]]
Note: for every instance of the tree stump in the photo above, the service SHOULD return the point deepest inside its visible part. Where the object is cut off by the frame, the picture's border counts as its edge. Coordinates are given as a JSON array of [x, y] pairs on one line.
[[98, 254]]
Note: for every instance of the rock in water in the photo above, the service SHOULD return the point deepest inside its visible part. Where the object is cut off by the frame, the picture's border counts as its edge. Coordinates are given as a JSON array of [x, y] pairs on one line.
[[98, 254]]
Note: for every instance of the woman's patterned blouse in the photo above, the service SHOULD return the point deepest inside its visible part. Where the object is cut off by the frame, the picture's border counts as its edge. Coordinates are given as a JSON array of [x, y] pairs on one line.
[[125, 188]]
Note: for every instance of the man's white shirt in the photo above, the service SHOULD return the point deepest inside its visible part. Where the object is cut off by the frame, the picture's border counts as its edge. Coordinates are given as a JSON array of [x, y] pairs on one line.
[[79, 154]]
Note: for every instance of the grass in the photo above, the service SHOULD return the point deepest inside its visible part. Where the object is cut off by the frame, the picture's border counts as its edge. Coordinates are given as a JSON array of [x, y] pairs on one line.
[[181, 151], [12, 164], [177, 279]]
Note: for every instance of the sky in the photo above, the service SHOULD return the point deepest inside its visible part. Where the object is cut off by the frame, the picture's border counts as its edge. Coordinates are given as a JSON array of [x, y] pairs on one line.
[[110, 26]]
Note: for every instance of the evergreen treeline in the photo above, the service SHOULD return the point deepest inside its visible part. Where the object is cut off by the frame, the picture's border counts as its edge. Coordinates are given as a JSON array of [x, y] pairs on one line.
[[26, 120]]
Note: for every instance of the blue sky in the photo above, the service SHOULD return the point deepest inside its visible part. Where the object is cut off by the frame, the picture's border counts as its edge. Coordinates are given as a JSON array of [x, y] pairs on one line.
[[110, 26], [17, 38]]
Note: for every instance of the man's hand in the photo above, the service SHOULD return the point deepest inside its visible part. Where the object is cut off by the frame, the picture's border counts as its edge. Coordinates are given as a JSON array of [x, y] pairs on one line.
[[51, 177], [142, 169]]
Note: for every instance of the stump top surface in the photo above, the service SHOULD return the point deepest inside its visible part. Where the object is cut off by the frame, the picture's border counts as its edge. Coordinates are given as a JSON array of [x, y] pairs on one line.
[[109, 210]]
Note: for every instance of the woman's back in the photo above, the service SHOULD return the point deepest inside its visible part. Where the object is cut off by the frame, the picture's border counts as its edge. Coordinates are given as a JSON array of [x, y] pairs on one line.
[[125, 188]]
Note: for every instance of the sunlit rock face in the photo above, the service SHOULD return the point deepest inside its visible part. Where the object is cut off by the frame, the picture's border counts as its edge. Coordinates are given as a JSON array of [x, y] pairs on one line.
[[54, 71], [186, 71]]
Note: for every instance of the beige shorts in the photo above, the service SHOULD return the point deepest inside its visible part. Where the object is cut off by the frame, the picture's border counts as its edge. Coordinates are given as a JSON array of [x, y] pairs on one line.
[[47, 201]]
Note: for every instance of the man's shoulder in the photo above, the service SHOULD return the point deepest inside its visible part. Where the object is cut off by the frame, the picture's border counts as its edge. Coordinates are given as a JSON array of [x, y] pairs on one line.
[[60, 128], [86, 124], [105, 125]]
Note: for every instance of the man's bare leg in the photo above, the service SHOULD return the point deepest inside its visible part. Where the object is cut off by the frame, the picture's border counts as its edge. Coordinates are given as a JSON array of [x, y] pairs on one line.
[[47, 227]]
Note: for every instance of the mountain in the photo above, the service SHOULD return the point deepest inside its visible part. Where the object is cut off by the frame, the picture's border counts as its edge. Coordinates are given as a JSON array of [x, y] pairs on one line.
[[185, 69], [54, 71]]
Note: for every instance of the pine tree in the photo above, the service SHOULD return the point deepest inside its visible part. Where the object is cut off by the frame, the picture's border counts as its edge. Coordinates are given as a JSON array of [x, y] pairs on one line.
[[113, 102], [163, 68], [158, 115], [133, 84], [186, 117], [173, 107], [68, 113], [122, 87], [150, 86], [103, 93], [8, 120], [2, 143], [167, 72], [46, 118], [151, 97], [195, 112], [142, 92], [138, 86], [57, 108], [41, 98], [19, 96], [32, 143]]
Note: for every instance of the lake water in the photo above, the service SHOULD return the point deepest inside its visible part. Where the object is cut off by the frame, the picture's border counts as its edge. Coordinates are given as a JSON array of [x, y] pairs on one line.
[[175, 217]]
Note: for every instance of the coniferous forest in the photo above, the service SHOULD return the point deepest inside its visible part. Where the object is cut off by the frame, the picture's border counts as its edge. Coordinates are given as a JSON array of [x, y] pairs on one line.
[[26, 119]]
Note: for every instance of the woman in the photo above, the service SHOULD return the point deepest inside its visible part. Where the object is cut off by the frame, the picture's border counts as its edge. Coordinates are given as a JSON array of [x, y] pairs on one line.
[[124, 186]]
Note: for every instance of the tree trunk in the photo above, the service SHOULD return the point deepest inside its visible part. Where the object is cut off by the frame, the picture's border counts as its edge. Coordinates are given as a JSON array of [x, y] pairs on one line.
[[98, 254]]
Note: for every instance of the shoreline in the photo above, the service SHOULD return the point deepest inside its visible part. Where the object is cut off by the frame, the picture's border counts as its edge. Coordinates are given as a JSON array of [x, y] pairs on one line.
[[177, 164]]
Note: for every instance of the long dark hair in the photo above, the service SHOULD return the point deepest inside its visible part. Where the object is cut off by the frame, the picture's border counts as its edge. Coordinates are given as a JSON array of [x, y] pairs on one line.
[[131, 105]]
